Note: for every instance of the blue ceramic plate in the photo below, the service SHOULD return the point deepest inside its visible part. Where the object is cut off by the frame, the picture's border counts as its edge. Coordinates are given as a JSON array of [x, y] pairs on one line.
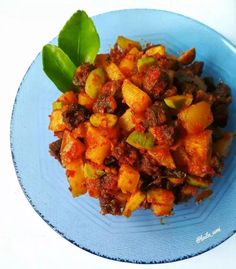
[[193, 229]]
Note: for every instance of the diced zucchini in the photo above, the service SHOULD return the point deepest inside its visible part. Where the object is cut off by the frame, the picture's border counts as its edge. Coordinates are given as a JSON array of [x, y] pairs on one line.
[[140, 140], [199, 182], [187, 57], [159, 49], [144, 63], [94, 82], [178, 101], [126, 44]]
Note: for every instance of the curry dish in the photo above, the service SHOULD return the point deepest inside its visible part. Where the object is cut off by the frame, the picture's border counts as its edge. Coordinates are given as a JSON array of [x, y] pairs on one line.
[[143, 130]]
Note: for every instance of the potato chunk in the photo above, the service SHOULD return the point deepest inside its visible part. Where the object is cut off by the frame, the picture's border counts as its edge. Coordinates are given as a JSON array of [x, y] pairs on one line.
[[135, 98], [163, 156], [71, 148], [114, 72], [199, 146], [128, 178], [196, 118], [56, 121], [133, 203], [76, 179]]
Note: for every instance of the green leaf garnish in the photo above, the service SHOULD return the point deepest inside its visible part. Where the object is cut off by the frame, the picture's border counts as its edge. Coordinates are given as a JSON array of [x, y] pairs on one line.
[[79, 38], [58, 67]]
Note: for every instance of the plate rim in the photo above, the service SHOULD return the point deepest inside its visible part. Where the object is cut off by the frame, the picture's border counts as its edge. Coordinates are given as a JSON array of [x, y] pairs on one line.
[[18, 172]]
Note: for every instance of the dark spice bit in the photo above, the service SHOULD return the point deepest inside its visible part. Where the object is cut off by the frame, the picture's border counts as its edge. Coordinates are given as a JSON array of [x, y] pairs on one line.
[[111, 161], [54, 149], [220, 106], [81, 75], [174, 173], [109, 204], [74, 115]]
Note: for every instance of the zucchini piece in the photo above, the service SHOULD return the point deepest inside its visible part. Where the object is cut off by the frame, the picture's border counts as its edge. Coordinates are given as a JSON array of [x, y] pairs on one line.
[[140, 140]]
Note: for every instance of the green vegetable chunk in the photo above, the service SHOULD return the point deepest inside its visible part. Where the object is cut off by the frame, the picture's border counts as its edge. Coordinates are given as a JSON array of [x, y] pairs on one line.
[[58, 67], [140, 140], [79, 38], [144, 63], [199, 182], [94, 82], [57, 105]]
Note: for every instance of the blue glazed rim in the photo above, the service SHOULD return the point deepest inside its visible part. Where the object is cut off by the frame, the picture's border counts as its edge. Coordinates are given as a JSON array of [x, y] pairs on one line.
[[28, 196]]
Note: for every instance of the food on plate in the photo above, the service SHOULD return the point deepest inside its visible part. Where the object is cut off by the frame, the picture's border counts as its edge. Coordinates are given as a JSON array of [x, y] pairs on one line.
[[136, 127]]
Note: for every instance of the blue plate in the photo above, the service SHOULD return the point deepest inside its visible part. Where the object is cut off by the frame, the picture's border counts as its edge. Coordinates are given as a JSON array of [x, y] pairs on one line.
[[193, 229]]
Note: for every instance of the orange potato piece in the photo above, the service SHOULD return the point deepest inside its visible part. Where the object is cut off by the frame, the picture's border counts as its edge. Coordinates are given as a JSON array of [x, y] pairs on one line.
[[68, 98], [76, 179], [160, 196], [129, 63], [163, 156], [114, 72], [161, 210], [135, 98], [97, 153], [199, 146], [56, 121], [133, 203], [85, 100], [128, 178], [196, 117], [71, 148]]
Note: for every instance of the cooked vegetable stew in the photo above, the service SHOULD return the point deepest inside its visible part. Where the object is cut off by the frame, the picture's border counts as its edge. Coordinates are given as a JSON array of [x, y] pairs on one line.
[[140, 128]]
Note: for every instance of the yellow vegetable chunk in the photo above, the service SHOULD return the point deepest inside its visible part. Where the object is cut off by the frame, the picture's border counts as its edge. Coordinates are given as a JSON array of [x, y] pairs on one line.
[[199, 146], [133, 203], [56, 121], [98, 153], [114, 72], [176, 181], [222, 145], [68, 98], [71, 148], [161, 210], [196, 118], [160, 196], [76, 179], [85, 100], [135, 98], [178, 101], [199, 182], [94, 82], [126, 122], [128, 178], [128, 64], [187, 57], [163, 156], [159, 49], [144, 63], [104, 120], [126, 44]]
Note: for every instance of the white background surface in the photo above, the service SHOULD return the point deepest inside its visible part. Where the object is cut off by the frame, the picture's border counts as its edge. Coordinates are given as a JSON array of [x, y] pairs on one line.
[[26, 241]]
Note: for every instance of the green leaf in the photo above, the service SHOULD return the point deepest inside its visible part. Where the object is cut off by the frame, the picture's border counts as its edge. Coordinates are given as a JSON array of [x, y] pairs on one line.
[[58, 67], [79, 39]]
